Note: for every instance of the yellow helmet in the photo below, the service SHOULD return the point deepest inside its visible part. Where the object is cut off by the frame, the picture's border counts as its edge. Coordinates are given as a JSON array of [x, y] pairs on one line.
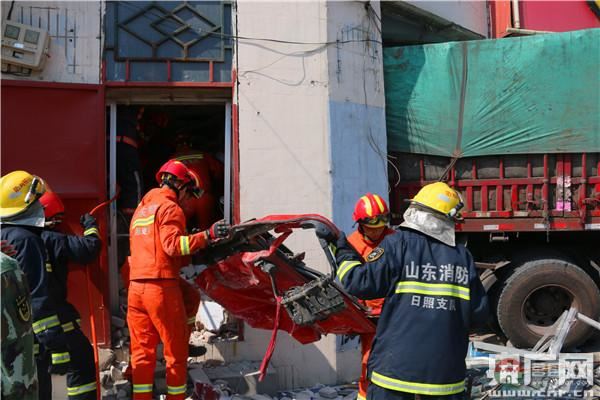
[[441, 198], [18, 191]]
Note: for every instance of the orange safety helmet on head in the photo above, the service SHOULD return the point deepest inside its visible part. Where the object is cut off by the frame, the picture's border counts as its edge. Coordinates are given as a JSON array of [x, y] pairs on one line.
[[52, 204], [181, 173], [371, 210]]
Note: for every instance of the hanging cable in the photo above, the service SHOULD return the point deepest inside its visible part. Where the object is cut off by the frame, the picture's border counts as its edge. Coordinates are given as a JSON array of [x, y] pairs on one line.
[[10, 10], [249, 38]]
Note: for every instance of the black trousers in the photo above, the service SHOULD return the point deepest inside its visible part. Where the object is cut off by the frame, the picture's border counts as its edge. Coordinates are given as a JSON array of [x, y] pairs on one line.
[[81, 375], [375, 392]]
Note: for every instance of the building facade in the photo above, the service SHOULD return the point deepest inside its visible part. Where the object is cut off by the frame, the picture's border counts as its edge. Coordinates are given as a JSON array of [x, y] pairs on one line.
[[297, 92]]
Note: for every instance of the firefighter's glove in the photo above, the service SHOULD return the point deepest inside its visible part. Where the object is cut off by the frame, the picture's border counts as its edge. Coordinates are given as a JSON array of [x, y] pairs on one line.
[[343, 250], [219, 230], [324, 233], [89, 224], [60, 361]]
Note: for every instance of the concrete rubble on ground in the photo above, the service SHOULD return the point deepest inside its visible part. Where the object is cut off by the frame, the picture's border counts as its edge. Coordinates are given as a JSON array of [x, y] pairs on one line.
[[495, 370]]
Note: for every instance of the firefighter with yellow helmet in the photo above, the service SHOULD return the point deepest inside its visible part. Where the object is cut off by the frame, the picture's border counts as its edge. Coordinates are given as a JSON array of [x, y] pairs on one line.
[[433, 296], [21, 222]]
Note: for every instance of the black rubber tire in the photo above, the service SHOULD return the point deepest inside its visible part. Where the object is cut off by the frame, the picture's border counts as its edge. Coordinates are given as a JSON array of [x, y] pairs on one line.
[[533, 275]]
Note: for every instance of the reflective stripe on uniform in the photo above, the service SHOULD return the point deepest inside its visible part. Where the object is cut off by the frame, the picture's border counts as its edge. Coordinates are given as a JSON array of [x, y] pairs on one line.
[[184, 244], [434, 289], [77, 390], [142, 388], [143, 221], [60, 358], [416, 387], [176, 389], [346, 266], [91, 231], [48, 267], [46, 323], [36, 349], [68, 327], [191, 320]]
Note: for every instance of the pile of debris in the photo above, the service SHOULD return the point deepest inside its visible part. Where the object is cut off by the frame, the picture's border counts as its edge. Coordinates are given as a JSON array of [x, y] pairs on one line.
[[114, 363], [543, 372]]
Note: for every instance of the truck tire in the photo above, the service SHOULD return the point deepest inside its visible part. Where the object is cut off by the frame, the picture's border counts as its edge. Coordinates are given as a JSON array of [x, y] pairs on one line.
[[535, 295]]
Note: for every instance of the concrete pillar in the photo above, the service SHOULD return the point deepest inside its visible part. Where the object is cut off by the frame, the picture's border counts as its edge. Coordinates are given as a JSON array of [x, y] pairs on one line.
[[311, 140]]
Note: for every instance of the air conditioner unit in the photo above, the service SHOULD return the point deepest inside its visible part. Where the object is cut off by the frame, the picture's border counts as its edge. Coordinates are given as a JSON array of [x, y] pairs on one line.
[[24, 46]]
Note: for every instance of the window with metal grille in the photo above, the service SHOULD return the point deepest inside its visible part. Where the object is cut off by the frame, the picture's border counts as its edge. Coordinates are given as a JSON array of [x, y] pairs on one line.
[[166, 41]]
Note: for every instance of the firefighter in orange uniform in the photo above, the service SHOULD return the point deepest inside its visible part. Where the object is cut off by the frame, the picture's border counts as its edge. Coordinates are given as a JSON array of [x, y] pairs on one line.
[[156, 311], [372, 215]]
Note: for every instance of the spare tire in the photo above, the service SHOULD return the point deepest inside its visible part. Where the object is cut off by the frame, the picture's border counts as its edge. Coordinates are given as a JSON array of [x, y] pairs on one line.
[[534, 296]]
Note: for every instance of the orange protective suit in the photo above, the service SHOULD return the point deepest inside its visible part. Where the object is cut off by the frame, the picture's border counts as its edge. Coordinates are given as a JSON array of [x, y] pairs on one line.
[[191, 296], [364, 246], [203, 210], [156, 310]]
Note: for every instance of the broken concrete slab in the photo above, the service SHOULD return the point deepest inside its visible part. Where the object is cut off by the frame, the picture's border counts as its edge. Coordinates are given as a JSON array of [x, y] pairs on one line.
[[105, 358], [243, 377]]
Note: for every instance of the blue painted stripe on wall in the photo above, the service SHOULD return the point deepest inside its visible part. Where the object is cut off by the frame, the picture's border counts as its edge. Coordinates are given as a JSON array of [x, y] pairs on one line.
[[358, 147]]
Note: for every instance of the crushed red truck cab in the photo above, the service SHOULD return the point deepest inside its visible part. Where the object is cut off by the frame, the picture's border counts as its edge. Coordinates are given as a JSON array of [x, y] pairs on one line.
[[259, 280]]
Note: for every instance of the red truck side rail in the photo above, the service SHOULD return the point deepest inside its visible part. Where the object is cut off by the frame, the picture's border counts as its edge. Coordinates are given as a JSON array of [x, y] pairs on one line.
[[541, 192]]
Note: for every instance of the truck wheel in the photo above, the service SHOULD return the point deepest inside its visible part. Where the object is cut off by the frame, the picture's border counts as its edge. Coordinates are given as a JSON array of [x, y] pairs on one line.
[[535, 295]]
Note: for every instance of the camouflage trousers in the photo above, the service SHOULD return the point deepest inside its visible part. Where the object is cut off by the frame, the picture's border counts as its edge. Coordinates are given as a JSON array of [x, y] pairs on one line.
[[19, 379]]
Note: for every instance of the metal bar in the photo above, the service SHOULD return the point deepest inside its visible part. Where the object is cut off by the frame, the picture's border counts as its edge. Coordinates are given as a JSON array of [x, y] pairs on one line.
[[495, 348], [529, 195], [545, 191], [514, 198], [499, 187], [170, 84], [484, 198], [492, 182], [598, 173], [113, 268], [563, 331], [587, 320], [169, 71], [583, 188], [227, 192], [568, 188], [516, 15], [211, 71]]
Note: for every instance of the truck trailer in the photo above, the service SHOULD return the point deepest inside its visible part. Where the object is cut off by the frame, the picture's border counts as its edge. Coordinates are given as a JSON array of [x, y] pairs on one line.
[[513, 124]]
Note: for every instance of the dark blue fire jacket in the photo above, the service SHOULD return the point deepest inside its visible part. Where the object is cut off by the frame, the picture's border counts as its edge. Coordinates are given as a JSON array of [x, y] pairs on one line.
[[63, 249], [433, 296]]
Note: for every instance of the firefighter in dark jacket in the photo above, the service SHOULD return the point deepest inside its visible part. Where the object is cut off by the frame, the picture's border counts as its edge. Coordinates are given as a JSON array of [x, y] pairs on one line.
[[433, 296], [79, 364], [22, 219]]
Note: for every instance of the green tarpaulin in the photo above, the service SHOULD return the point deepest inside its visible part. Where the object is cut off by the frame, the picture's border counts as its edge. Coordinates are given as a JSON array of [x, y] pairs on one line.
[[531, 94]]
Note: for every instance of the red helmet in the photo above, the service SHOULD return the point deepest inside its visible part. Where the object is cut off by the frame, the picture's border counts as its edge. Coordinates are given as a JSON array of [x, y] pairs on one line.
[[52, 204], [181, 172], [371, 210]]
